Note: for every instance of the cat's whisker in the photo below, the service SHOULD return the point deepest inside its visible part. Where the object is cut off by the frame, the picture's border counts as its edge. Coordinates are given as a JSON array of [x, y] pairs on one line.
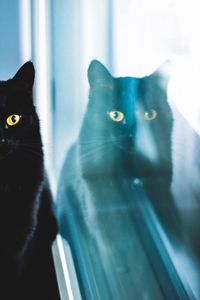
[[86, 169], [71, 173], [28, 145], [98, 140], [92, 148], [98, 148], [84, 158], [105, 142], [94, 151], [30, 150]]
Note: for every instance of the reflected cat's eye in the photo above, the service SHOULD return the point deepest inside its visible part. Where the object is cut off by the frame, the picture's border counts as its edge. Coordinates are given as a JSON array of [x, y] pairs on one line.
[[150, 115], [116, 116], [13, 120]]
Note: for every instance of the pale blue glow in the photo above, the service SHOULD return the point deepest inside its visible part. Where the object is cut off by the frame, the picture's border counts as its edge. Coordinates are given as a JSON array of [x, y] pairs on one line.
[[25, 29]]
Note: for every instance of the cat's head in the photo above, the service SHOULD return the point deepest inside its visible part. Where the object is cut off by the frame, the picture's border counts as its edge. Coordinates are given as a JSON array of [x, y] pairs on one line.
[[19, 123], [127, 125]]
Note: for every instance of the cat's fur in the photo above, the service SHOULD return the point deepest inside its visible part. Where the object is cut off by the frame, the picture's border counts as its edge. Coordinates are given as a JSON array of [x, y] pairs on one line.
[[27, 222]]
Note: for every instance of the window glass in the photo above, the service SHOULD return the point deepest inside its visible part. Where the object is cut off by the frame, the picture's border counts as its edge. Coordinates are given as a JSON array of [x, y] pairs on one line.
[[125, 132], [10, 55]]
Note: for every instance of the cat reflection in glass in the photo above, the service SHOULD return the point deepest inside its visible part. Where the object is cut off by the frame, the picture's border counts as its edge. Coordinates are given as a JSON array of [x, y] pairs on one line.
[[125, 134], [132, 122]]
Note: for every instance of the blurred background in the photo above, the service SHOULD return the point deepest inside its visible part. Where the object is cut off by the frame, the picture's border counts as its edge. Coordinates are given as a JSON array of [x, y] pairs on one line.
[[132, 38]]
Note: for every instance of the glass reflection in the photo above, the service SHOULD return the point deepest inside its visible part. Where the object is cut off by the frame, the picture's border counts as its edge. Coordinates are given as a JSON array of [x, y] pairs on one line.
[[122, 155]]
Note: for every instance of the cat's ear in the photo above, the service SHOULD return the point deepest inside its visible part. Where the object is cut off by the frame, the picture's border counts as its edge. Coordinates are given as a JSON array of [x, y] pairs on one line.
[[164, 70], [26, 75], [98, 75]]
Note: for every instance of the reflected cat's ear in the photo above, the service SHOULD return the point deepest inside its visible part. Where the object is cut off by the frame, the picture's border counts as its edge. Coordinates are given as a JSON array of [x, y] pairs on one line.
[[164, 70], [98, 74], [25, 75]]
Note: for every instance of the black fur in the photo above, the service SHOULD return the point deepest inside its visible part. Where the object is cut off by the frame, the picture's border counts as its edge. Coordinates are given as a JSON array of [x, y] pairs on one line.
[[27, 223]]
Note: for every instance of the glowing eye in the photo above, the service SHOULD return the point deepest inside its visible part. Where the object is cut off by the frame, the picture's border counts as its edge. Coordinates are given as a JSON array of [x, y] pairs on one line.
[[150, 115], [13, 120], [116, 116]]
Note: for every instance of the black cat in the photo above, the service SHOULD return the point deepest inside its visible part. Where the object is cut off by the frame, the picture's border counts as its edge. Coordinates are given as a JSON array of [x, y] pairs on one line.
[[125, 137], [27, 222]]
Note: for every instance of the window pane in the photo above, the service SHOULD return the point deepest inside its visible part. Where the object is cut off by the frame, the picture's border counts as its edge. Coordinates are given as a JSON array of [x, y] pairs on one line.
[[125, 146]]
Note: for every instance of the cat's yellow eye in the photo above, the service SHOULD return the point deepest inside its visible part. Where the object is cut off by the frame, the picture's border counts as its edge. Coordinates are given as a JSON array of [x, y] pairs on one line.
[[116, 116], [150, 115], [13, 120]]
